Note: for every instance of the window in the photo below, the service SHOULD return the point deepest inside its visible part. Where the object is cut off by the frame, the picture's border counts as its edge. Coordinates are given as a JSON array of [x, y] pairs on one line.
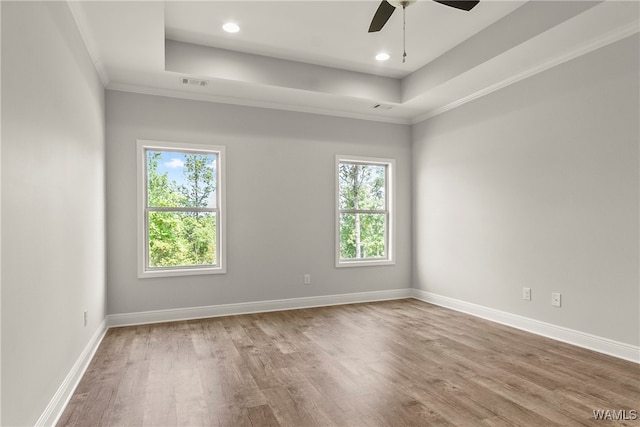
[[180, 209], [364, 211]]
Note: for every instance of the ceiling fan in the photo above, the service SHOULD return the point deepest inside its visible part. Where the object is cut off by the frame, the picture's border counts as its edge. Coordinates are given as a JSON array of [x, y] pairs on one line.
[[387, 7]]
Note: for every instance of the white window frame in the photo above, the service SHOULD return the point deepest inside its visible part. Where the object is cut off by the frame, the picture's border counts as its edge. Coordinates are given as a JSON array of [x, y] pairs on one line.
[[389, 210], [221, 247]]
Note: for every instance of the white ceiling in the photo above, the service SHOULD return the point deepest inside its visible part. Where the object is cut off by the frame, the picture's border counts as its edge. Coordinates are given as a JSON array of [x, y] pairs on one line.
[[332, 33], [317, 56]]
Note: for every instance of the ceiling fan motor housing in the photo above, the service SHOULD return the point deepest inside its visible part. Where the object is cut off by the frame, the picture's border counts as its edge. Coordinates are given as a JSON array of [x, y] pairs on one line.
[[401, 3]]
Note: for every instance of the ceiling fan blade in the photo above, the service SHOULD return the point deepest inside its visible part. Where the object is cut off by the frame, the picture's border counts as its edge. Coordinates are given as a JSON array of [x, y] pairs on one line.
[[384, 12], [459, 4]]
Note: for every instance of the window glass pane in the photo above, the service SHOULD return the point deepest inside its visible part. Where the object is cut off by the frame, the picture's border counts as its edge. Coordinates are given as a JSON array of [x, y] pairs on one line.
[[362, 186], [178, 239], [181, 179], [362, 235]]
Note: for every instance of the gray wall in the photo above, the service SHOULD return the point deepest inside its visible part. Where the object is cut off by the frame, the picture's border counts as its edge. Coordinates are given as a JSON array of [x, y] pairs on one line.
[[537, 186], [53, 204], [280, 201]]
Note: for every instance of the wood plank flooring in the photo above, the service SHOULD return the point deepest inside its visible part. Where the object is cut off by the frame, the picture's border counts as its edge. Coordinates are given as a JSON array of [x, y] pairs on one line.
[[394, 363]]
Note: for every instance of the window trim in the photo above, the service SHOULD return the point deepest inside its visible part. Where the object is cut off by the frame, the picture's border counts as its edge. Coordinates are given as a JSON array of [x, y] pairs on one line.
[[144, 272], [390, 211]]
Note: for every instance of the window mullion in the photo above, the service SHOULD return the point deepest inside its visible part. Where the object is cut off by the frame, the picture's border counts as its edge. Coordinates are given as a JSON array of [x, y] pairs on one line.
[[361, 211], [179, 209]]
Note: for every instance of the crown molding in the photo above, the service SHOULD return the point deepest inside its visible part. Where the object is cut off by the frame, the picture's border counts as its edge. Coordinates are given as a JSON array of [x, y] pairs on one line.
[[78, 16], [583, 49], [219, 99], [605, 39]]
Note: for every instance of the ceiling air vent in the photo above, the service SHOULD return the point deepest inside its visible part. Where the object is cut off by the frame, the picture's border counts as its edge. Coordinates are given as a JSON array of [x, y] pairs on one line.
[[194, 82], [381, 107]]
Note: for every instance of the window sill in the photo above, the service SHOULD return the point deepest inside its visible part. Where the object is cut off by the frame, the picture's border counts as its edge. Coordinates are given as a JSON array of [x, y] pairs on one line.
[[363, 263], [179, 272]]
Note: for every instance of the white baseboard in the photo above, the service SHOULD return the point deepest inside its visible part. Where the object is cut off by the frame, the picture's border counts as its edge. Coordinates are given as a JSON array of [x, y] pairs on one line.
[[56, 406], [158, 316], [559, 333], [59, 402]]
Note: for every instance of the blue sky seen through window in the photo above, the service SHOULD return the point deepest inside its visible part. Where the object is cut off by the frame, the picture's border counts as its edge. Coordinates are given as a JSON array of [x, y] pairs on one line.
[[173, 164]]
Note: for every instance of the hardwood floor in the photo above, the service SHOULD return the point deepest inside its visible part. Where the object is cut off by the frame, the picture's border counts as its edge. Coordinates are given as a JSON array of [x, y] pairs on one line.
[[394, 363]]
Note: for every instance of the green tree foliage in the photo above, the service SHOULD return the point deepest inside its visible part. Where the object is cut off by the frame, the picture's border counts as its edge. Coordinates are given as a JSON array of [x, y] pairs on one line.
[[200, 180], [179, 238], [161, 191], [362, 188]]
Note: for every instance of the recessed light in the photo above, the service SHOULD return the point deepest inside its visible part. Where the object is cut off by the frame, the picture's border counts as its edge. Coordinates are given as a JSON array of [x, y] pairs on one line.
[[382, 56], [231, 27]]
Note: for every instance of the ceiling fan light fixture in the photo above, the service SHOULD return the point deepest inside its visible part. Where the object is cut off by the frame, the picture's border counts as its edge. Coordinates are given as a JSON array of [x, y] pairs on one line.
[[231, 27], [401, 3], [382, 56]]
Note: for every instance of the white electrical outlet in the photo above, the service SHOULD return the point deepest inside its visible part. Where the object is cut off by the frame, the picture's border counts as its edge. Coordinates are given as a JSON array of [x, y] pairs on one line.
[[86, 318], [307, 279], [526, 294], [556, 299]]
